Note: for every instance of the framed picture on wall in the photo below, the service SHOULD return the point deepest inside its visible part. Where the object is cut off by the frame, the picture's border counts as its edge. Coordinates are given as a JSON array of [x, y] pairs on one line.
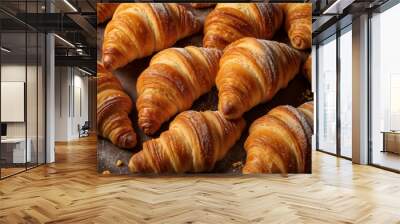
[[12, 101]]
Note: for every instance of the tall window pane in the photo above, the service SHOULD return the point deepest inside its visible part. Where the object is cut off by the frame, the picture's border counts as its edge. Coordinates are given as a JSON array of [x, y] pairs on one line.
[[346, 93], [385, 92], [327, 96]]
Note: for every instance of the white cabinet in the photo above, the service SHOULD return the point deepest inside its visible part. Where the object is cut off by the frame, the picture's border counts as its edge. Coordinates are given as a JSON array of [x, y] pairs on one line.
[[19, 155]]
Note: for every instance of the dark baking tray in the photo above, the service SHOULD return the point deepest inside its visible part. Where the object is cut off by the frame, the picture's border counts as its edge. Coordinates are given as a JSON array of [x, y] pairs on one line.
[[297, 92]]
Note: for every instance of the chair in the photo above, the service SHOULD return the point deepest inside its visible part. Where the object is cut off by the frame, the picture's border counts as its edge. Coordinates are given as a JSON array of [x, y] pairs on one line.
[[84, 130]]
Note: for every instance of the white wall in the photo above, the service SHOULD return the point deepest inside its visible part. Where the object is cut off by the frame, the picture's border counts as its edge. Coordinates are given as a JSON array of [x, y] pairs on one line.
[[61, 103], [81, 100], [70, 83]]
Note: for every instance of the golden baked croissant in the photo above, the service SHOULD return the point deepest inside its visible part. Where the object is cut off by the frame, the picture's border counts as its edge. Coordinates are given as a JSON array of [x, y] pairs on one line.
[[231, 21], [139, 29], [298, 24], [105, 11], [175, 78], [252, 71], [308, 111], [202, 5], [113, 107], [307, 69], [194, 142], [280, 141]]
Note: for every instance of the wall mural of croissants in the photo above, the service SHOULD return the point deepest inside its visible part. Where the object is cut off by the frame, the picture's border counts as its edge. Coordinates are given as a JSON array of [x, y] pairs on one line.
[[211, 88]]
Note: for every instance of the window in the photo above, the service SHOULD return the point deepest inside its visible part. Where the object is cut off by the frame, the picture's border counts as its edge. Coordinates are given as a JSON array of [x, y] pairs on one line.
[[385, 89], [346, 73], [327, 96]]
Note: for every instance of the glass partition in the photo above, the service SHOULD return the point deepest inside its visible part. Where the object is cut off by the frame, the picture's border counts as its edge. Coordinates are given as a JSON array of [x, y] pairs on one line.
[[22, 88], [15, 151]]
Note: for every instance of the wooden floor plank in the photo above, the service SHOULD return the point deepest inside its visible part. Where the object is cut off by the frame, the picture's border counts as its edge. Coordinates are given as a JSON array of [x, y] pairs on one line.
[[71, 191]]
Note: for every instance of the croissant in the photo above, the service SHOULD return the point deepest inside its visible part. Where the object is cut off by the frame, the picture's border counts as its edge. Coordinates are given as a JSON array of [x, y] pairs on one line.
[[231, 21], [202, 5], [308, 111], [280, 141], [298, 24], [113, 107], [175, 78], [194, 142], [252, 71], [307, 70], [139, 29], [105, 11]]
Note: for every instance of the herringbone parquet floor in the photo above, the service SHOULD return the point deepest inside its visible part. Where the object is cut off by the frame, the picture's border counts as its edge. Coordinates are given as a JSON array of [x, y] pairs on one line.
[[70, 191]]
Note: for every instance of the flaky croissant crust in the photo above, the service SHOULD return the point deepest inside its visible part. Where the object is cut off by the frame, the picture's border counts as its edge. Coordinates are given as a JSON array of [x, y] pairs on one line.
[[175, 78], [280, 142], [194, 142], [307, 69], [298, 24], [139, 29], [202, 5], [113, 107], [229, 22], [252, 71], [105, 11]]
